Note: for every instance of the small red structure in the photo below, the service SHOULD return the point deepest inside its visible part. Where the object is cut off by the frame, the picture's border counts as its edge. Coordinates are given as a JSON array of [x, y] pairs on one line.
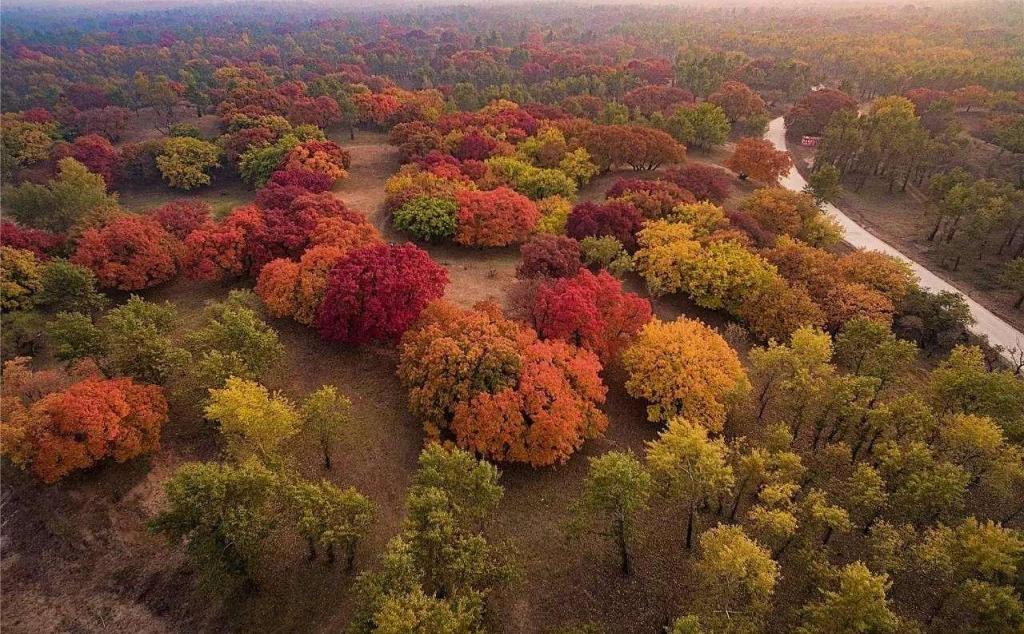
[[809, 141]]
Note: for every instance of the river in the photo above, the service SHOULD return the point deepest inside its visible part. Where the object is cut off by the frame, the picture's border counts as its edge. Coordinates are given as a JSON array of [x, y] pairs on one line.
[[985, 321]]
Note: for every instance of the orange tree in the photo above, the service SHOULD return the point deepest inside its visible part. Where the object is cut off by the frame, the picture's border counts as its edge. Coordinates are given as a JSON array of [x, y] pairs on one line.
[[494, 218], [77, 426], [129, 253], [499, 390], [684, 368], [758, 159]]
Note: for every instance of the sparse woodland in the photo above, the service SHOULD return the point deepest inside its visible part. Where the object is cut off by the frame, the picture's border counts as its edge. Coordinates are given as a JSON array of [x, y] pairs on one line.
[[498, 319]]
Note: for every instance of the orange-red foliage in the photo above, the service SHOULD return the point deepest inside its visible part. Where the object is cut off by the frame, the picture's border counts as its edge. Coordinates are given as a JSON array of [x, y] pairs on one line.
[[494, 218], [758, 159], [129, 253], [221, 250], [498, 389], [77, 426]]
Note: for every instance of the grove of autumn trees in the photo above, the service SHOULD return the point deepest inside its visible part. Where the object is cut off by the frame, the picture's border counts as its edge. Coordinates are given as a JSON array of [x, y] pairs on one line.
[[706, 392]]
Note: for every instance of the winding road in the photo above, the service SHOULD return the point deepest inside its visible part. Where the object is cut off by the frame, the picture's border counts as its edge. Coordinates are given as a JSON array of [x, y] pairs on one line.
[[985, 322]]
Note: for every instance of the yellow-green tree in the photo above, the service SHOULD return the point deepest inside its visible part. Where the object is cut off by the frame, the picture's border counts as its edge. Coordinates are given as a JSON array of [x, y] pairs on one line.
[[253, 420], [617, 488], [689, 467], [185, 162], [325, 414], [738, 577]]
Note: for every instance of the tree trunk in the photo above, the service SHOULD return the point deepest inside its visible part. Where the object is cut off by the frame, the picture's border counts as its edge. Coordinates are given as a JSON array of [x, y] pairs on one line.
[[350, 556], [689, 528], [326, 446], [620, 535], [736, 502], [312, 548]]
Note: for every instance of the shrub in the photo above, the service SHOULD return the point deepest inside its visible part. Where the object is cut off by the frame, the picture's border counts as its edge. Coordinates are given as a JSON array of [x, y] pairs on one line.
[[428, 219], [549, 256], [494, 218], [616, 219], [374, 293]]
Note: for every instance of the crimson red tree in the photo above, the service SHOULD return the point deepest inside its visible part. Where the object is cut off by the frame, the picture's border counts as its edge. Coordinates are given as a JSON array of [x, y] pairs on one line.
[[589, 311], [375, 293], [705, 182], [810, 115], [617, 219], [40, 242], [93, 151], [548, 255], [182, 217]]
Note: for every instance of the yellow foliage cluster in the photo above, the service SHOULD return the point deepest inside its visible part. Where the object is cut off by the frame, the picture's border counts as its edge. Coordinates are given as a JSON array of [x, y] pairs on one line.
[[684, 368]]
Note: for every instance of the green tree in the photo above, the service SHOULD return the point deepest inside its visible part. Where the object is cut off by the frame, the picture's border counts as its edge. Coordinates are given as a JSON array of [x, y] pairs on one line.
[[69, 288], [708, 124], [224, 513], [327, 516], [739, 578], [21, 279], [326, 414], [858, 604], [63, 203], [74, 336], [824, 184], [963, 383], [254, 421], [442, 552], [1013, 278], [949, 557], [864, 495], [234, 341], [689, 467], [470, 485], [137, 342], [616, 489]]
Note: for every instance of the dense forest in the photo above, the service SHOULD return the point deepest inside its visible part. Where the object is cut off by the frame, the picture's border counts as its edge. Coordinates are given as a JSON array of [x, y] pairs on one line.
[[464, 319]]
